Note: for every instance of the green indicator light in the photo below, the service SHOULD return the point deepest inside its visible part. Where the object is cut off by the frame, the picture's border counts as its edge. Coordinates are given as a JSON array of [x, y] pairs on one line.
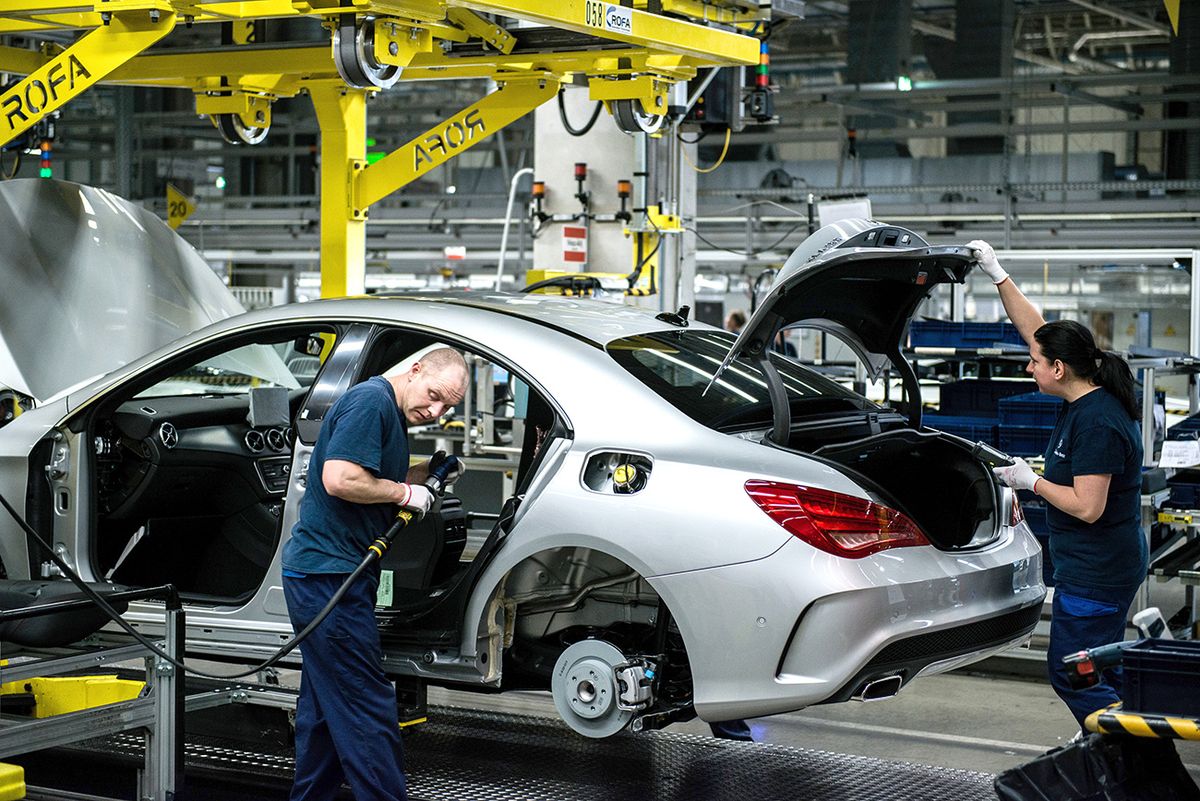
[[370, 141], [904, 83], [46, 172], [374, 157]]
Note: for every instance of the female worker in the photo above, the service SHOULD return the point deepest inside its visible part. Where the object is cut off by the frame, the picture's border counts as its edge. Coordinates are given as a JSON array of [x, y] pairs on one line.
[[1091, 483]]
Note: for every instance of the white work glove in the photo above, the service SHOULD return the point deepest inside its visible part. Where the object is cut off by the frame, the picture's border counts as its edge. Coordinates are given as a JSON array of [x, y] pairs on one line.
[[985, 257], [456, 473], [418, 499], [1018, 475]]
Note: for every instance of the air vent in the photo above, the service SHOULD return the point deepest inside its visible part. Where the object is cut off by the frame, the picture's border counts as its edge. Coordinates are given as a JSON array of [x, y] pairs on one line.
[[276, 439], [255, 442], [168, 436]]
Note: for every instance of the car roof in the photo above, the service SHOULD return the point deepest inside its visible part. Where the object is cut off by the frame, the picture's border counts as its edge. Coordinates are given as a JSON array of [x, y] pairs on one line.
[[597, 321]]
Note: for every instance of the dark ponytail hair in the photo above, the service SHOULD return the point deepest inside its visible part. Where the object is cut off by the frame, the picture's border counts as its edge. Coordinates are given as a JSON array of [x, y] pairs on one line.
[[1073, 345]]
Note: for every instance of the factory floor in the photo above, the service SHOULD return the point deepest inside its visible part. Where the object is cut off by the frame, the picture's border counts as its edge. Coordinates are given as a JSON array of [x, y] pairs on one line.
[[959, 720]]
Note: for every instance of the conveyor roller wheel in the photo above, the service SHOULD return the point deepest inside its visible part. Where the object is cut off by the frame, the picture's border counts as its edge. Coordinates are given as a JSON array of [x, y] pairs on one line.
[[632, 118], [354, 54], [236, 132]]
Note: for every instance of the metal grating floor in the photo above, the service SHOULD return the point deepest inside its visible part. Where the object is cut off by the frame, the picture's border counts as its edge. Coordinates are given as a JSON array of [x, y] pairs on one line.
[[468, 755]]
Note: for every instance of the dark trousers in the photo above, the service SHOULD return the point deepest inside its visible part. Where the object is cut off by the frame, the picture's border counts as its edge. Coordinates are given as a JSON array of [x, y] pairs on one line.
[[1086, 617], [346, 725]]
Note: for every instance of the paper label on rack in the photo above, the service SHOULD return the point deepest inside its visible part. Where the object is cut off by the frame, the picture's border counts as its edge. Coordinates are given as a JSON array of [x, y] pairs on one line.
[[1180, 453]]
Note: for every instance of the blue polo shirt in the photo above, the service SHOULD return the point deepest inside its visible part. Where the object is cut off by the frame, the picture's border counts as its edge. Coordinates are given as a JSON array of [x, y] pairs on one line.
[[1095, 436], [364, 427]]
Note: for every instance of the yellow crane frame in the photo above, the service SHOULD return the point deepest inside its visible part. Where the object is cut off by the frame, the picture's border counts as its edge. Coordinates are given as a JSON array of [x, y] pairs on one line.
[[629, 54]]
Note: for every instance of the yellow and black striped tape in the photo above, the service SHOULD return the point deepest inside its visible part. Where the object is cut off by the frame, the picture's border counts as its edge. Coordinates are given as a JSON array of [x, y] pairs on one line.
[[1113, 720]]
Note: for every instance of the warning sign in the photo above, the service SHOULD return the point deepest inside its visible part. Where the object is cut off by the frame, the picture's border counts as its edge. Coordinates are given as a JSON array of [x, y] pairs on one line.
[[574, 244]]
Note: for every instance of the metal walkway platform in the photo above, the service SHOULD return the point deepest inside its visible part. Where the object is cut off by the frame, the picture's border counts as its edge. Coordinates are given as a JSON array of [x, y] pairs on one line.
[[467, 755]]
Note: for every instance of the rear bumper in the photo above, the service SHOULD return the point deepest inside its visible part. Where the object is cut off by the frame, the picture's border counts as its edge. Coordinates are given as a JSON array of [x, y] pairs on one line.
[[944, 650], [801, 627]]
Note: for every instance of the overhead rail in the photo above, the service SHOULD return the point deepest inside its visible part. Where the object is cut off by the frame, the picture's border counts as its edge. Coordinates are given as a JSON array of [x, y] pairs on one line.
[[628, 56]]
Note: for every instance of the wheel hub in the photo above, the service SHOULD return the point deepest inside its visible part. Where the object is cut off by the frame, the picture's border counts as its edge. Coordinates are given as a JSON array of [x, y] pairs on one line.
[[586, 688]]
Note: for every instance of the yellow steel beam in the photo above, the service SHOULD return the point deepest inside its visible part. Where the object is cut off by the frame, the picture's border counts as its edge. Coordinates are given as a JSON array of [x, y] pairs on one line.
[[465, 129], [187, 69], [613, 21], [489, 32], [77, 68], [305, 64], [342, 117], [20, 60]]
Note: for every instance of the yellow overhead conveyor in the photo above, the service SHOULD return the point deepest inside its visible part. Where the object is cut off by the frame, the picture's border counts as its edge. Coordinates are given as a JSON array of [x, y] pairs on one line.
[[629, 55]]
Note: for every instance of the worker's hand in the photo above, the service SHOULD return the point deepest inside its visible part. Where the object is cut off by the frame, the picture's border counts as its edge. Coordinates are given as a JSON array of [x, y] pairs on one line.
[[454, 475], [1018, 475], [418, 499], [985, 257]]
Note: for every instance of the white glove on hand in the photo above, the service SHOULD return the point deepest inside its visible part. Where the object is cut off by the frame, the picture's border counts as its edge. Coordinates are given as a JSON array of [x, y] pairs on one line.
[[419, 498], [456, 473], [1019, 475], [985, 257]]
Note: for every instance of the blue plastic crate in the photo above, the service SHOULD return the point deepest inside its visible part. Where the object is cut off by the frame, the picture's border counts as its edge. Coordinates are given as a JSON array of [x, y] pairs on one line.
[[1185, 493], [949, 334], [1024, 440], [1030, 409], [1162, 677], [978, 397], [976, 429], [1187, 428]]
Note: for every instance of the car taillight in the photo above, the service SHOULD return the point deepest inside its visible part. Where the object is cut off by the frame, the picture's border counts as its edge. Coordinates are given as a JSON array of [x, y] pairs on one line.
[[842, 525], [1016, 513]]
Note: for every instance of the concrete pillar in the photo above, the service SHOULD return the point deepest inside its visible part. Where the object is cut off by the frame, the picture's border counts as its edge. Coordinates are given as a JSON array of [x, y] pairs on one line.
[[983, 48], [123, 162], [879, 50], [1182, 157]]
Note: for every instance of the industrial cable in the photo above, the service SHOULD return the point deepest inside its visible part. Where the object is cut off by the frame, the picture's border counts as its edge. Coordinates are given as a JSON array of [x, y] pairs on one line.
[[562, 113], [373, 553], [758, 252], [720, 159], [637, 271]]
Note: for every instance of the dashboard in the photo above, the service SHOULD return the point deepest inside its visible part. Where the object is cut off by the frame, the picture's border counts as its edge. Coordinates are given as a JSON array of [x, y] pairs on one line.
[[189, 454]]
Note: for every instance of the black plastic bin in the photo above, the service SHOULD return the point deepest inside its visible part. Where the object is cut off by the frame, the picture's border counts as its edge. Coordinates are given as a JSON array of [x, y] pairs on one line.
[[1162, 677], [1101, 768]]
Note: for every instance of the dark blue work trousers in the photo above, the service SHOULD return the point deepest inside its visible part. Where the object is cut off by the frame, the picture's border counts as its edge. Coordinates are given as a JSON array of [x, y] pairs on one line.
[[346, 725], [1086, 617]]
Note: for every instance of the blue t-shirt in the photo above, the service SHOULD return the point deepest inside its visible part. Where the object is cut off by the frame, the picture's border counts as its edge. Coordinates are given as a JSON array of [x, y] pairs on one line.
[[1095, 436], [365, 427]]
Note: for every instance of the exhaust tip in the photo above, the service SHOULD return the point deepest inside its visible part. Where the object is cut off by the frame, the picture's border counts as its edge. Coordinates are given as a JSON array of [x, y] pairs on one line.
[[879, 689]]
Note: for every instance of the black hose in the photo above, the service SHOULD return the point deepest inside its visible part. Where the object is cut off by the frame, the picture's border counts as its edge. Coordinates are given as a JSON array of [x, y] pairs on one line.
[[562, 113], [436, 479]]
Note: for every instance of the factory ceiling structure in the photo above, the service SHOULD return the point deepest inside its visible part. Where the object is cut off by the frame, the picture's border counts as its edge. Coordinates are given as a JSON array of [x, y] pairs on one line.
[[1033, 123]]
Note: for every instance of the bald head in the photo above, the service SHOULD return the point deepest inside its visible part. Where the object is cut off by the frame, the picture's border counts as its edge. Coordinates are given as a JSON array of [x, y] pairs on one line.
[[432, 385]]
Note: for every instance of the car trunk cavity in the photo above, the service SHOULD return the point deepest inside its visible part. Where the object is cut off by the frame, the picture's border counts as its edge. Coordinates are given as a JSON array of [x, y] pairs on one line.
[[930, 476]]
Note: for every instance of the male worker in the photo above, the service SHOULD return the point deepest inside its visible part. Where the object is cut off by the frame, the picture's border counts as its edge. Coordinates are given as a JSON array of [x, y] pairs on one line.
[[346, 725]]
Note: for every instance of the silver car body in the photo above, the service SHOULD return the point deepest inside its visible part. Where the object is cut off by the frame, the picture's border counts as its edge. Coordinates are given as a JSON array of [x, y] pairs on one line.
[[769, 622]]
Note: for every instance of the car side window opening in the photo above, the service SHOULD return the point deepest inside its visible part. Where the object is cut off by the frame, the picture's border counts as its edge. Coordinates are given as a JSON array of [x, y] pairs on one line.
[[678, 366], [500, 428], [192, 464]]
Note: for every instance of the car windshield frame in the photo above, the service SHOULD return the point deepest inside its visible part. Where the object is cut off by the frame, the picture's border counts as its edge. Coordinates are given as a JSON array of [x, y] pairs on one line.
[[678, 364]]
